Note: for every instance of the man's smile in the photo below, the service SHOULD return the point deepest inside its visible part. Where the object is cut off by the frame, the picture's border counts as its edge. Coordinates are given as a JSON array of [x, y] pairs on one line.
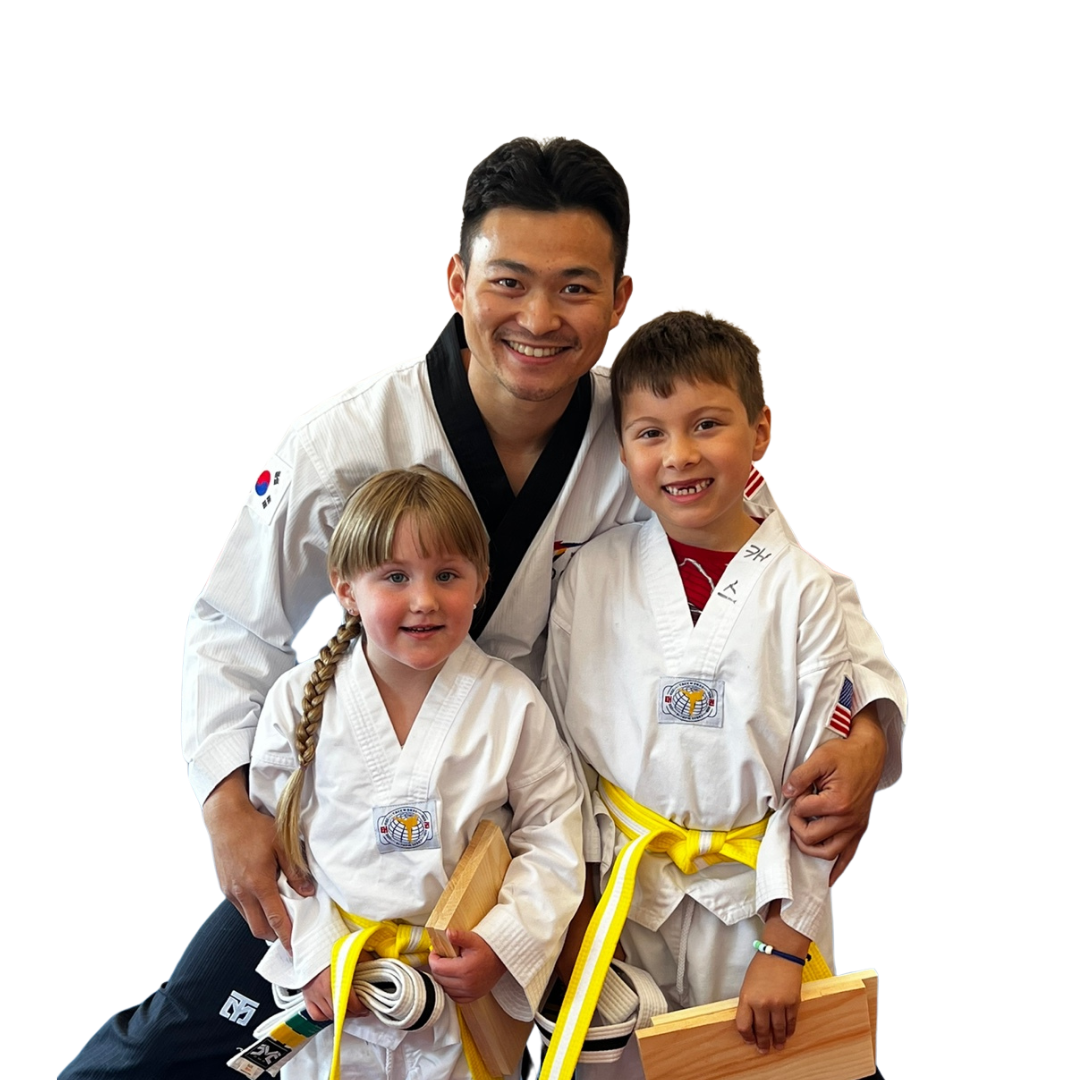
[[541, 352]]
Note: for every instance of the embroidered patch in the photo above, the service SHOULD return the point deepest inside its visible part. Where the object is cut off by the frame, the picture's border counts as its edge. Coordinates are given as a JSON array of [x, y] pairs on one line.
[[238, 1009], [840, 721], [757, 553], [260, 1058], [268, 491], [406, 826], [691, 701]]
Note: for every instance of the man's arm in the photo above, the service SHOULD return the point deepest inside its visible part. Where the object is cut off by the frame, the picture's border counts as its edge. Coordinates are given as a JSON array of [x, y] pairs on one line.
[[270, 575], [848, 772], [834, 790]]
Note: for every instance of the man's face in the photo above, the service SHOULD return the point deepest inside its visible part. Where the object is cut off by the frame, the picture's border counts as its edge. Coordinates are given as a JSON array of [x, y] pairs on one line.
[[538, 301]]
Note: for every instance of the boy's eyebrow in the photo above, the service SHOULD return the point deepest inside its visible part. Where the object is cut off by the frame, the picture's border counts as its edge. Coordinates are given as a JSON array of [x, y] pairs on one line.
[[646, 419], [524, 271]]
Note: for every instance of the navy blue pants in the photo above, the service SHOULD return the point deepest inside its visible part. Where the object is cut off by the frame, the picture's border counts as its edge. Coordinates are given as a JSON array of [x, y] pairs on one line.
[[189, 1028]]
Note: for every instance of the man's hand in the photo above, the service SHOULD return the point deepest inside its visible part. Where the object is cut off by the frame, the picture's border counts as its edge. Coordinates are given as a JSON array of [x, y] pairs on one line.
[[472, 973], [830, 822], [247, 858]]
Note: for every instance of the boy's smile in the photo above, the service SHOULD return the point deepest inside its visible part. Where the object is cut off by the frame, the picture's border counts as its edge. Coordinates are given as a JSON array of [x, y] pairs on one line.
[[689, 455]]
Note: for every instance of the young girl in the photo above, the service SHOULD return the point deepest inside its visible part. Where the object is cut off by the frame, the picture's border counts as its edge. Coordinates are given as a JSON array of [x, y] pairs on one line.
[[420, 736]]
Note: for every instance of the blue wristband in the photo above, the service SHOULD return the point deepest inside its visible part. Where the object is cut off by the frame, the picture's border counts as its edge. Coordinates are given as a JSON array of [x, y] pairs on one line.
[[768, 950]]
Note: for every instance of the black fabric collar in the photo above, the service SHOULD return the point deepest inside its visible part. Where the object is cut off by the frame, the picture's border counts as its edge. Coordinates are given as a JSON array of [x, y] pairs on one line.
[[511, 521]]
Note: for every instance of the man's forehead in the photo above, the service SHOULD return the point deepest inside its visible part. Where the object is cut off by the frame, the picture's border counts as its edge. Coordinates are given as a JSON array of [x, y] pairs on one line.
[[578, 242]]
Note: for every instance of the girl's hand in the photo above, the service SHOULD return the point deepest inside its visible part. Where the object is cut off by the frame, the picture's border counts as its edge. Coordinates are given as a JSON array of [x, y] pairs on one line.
[[472, 973], [320, 1001], [769, 1001]]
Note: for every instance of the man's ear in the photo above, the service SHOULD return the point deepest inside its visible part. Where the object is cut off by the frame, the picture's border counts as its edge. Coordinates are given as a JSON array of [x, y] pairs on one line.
[[455, 282], [622, 298]]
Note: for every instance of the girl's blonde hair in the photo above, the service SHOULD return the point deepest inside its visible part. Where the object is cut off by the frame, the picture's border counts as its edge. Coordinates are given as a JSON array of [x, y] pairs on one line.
[[445, 520]]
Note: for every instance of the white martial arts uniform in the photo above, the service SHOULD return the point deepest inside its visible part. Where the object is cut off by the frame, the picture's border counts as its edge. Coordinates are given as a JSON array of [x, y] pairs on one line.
[[483, 746], [764, 668], [271, 572]]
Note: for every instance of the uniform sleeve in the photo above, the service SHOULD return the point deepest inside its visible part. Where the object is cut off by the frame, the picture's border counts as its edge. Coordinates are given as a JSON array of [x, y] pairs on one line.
[[873, 677], [823, 668], [544, 882], [554, 686], [316, 921], [270, 575]]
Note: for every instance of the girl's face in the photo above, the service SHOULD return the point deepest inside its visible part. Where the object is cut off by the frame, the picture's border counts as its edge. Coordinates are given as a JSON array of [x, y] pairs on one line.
[[416, 609]]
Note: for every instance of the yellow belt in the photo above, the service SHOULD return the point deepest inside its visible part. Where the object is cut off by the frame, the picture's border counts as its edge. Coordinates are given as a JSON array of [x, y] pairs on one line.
[[392, 941], [690, 850]]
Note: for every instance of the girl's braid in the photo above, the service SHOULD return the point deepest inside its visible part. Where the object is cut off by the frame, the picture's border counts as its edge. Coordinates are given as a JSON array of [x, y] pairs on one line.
[[307, 737]]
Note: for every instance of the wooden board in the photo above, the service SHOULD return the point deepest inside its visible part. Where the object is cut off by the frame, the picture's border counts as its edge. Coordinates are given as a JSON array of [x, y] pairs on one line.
[[471, 892], [834, 1039]]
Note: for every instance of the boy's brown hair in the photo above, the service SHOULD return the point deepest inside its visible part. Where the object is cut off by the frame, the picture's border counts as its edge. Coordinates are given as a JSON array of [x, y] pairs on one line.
[[692, 347]]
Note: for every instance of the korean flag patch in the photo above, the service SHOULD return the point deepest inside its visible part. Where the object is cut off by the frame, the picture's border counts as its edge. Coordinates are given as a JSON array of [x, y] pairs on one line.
[[267, 493]]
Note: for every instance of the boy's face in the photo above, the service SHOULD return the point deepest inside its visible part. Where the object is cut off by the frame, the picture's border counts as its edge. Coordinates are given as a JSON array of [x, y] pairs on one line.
[[689, 455]]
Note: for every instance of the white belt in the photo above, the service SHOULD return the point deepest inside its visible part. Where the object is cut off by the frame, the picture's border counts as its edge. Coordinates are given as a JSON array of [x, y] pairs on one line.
[[397, 994], [629, 999]]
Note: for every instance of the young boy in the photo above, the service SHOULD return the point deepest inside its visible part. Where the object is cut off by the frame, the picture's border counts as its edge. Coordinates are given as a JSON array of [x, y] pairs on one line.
[[693, 661]]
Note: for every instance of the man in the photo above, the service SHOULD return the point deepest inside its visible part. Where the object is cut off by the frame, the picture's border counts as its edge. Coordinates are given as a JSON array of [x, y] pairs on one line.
[[507, 404]]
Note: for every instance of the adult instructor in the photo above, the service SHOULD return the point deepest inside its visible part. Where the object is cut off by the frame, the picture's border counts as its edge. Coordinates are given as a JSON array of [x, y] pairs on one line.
[[508, 405]]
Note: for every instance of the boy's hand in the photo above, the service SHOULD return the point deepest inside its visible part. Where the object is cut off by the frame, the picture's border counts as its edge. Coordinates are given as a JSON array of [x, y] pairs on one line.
[[769, 1001], [472, 973], [830, 822], [320, 1001]]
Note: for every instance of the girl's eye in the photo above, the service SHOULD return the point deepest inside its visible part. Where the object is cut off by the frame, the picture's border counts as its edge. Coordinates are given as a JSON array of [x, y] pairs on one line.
[[445, 576], [396, 577]]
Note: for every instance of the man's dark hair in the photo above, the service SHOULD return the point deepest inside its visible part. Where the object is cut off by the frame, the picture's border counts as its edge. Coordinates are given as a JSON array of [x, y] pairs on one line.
[[558, 174]]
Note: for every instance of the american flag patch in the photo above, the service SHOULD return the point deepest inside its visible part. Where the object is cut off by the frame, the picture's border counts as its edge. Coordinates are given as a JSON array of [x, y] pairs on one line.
[[753, 482], [840, 721]]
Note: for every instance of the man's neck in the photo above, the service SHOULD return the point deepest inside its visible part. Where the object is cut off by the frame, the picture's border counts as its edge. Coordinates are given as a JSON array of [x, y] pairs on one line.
[[519, 429]]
